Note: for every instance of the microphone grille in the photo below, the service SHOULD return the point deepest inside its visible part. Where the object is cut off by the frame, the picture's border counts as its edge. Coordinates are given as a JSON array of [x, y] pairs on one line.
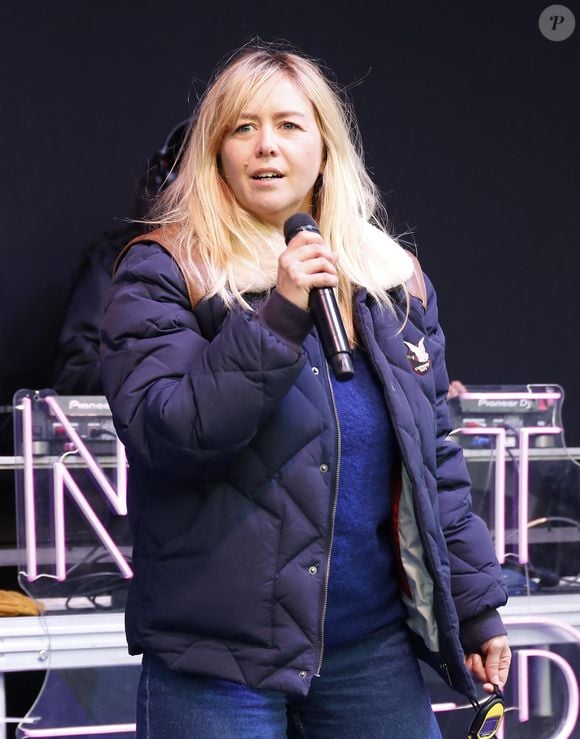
[[299, 222]]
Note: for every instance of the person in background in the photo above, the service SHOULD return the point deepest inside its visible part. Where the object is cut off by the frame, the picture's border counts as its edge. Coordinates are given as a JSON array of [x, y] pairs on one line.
[[77, 367], [299, 541]]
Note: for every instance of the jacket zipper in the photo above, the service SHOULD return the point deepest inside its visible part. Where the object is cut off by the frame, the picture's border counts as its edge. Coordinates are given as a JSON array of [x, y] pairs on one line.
[[332, 518]]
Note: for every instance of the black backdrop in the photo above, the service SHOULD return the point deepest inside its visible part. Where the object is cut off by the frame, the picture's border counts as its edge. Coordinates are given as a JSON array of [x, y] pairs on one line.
[[470, 118]]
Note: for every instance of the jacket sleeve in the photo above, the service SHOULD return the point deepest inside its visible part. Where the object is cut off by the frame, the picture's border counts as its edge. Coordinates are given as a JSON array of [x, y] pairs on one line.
[[476, 578], [180, 402]]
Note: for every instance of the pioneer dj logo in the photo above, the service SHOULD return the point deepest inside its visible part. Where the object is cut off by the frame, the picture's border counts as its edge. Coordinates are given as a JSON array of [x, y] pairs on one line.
[[506, 405], [418, 356], [79, 405]]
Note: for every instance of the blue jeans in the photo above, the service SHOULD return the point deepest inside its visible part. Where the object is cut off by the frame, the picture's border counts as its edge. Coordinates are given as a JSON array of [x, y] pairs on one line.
[[367, 690]]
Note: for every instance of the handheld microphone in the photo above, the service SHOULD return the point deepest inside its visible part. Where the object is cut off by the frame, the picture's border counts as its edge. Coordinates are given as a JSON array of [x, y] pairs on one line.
[[322, 302]]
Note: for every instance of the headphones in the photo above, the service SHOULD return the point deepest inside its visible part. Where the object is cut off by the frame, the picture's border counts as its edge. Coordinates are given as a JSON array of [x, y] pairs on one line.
[[163, 165], [488, 717]]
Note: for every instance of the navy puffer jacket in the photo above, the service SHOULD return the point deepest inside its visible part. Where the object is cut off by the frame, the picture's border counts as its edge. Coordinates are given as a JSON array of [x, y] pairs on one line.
[[233, 445]]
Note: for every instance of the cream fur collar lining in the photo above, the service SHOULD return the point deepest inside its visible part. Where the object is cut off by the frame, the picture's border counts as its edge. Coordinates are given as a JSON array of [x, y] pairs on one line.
[[386, 260]]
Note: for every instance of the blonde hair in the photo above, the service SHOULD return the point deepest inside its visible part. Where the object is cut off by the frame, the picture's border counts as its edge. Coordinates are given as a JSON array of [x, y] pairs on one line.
[[216, 236]]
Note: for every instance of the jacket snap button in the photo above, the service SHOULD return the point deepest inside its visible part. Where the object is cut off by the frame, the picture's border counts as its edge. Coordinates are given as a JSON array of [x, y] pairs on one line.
[[315, 371], [302, 673], [313, 569], [324, 468]]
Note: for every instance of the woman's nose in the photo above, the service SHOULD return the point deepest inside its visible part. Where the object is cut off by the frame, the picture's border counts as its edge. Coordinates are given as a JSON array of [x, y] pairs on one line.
[[266, 144]]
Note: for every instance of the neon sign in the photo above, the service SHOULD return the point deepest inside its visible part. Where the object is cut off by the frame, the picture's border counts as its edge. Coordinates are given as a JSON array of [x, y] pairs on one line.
[[64, 483]]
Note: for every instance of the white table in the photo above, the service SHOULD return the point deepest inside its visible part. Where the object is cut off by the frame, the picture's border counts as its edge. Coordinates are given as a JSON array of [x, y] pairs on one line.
[[97, 639]]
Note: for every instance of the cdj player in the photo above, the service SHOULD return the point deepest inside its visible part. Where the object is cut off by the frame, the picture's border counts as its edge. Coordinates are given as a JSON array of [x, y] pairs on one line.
[[88, 415], [511, 407]]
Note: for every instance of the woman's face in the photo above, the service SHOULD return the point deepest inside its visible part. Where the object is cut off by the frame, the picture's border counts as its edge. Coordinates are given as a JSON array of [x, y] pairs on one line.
[[273, 155]]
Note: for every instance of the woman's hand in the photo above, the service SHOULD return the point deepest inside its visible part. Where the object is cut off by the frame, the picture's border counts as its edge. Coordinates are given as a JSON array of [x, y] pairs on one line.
[[492, 663], [306, 262]]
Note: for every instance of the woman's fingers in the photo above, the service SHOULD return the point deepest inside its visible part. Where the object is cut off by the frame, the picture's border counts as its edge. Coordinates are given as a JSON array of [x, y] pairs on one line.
[[306, 263], [491, 665]]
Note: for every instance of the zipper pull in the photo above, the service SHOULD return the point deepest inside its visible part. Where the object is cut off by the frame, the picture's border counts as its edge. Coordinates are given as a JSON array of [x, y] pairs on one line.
[[444, 668]]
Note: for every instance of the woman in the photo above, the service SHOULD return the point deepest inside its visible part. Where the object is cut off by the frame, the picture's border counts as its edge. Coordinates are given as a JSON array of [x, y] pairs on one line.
[[298, 542]]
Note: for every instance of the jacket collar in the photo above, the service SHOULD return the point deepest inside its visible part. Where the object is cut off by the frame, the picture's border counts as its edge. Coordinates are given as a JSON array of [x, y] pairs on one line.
[[385, 257]]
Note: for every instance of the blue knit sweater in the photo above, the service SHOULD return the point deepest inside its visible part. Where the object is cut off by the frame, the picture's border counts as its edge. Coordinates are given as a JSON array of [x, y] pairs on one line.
[[363, 588]]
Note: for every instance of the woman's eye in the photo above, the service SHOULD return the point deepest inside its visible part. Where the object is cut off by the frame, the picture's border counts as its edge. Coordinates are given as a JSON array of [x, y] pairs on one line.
[[243, 128], [289, 125]]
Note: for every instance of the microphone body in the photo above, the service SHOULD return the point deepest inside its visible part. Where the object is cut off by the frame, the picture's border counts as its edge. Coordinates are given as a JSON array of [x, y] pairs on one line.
[[324, 308]]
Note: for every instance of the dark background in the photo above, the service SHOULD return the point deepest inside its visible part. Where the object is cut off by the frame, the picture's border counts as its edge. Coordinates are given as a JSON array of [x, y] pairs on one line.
[[470, 120], [469, 116]]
